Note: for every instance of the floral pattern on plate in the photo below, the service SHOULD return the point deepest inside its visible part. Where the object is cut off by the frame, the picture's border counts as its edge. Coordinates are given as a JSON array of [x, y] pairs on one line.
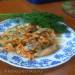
[[64, 54]]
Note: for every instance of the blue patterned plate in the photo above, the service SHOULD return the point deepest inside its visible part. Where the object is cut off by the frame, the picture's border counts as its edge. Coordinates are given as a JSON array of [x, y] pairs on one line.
[[65, 53]]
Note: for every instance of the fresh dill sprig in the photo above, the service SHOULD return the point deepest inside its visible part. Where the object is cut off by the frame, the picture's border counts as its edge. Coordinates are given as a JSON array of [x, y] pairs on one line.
[[43, 19]]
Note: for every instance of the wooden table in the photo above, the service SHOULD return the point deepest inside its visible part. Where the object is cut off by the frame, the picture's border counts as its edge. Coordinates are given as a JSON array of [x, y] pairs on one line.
[[20, 7]]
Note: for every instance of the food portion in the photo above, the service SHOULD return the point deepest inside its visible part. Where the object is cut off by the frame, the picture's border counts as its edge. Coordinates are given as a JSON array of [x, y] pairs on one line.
[[29, 40]]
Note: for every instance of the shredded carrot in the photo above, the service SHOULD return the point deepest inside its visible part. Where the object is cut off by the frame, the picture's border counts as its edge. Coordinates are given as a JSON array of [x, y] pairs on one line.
[[27, 35]]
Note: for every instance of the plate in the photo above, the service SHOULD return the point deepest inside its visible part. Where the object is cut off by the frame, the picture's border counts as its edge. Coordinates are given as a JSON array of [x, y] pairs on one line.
[[64, 54]]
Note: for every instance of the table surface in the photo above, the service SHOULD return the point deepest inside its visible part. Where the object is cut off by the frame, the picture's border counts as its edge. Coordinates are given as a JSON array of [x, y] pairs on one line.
[[23, 6]]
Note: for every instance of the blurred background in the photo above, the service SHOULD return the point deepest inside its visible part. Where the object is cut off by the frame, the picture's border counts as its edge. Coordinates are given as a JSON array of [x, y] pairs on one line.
[[38, 0]]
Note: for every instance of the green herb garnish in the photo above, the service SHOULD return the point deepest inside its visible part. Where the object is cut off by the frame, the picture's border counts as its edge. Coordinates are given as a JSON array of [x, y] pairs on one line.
[[43, 19], [46, 20], [1, 45]]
